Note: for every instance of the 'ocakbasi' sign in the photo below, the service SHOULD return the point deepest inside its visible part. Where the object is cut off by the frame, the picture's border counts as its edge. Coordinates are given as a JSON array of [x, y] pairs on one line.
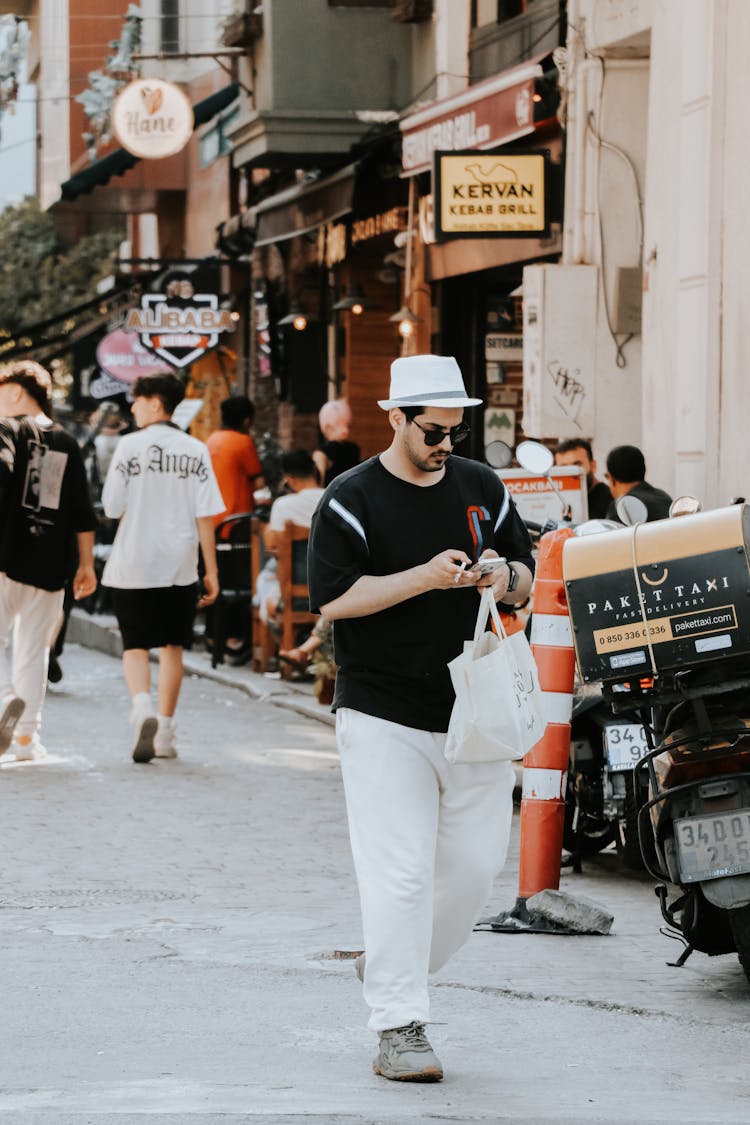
[[180, 325], [480, 194]]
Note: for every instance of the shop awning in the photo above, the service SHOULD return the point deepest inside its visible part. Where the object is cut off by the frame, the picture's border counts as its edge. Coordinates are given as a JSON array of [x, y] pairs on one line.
[[304, 207], [491, 113], [120, 161], [49, 338]]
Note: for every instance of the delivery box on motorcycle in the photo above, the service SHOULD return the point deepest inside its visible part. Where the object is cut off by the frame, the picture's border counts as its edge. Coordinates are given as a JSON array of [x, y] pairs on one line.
[[660, 596]]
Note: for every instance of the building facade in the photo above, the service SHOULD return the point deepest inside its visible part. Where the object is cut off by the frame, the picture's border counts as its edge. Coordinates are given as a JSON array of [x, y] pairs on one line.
[[653, 201]]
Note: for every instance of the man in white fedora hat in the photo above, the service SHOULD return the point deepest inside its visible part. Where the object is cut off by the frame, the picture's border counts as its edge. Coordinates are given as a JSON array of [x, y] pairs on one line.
[[390, 545]]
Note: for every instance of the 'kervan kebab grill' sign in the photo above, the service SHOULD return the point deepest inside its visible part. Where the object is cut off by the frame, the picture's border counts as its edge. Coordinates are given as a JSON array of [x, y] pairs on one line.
[[481, 195], [180, 325]]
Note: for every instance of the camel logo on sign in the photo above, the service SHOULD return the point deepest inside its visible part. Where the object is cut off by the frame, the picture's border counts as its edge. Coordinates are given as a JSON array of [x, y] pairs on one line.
[[179, 325], [152, 118]]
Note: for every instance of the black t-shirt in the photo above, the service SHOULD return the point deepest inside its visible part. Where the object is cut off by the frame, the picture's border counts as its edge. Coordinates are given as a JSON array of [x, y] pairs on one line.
[[393, 664], [44, 501], [343, 455], [657, 501], [599, 499]]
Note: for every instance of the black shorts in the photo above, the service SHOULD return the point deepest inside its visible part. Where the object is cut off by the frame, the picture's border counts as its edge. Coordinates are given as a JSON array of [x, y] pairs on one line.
[[159, 616]]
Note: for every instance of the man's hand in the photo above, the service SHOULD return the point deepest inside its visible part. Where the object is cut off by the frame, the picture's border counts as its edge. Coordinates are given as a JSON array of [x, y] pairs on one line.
[[448, 570], [211, 586], [84, 582], [497, 581]]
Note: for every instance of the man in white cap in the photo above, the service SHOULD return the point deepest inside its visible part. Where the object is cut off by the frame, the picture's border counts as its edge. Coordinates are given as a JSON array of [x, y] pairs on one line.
[[390, 545]]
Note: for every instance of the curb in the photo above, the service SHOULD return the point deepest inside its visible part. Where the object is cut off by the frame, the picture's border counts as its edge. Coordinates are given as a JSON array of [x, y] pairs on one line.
[[100, 634]]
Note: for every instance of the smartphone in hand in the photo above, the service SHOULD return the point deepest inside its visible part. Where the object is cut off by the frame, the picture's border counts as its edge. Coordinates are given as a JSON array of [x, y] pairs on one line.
[[487, 566]]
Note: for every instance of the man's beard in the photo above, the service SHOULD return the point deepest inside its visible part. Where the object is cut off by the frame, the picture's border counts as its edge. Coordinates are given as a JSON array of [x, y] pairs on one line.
[[430, 462]]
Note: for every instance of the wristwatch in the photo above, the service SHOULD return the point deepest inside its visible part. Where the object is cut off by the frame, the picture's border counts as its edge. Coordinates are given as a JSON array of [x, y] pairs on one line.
[[512, 577]]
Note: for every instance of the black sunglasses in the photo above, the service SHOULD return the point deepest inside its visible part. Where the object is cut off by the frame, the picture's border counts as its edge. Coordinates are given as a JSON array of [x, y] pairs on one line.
[[435, 437]]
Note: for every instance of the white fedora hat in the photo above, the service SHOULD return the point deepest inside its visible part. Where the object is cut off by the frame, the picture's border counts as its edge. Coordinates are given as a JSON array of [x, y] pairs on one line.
[[427, 380]]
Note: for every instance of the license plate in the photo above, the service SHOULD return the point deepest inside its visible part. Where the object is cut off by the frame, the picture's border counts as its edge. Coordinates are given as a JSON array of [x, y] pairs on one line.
[[624, 745], [710, 847]]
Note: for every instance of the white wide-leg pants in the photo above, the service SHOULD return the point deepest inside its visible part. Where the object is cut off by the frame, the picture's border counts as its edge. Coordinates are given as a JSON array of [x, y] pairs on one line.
[[33, 617], [427, 838]]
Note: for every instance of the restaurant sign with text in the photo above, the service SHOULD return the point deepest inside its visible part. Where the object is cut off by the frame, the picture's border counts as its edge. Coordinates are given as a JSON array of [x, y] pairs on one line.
[[180, 325], [491, 195]]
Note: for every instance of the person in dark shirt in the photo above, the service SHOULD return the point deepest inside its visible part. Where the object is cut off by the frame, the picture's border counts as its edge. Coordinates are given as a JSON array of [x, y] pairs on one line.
[[45, 513], [390, 545], [578, 451], [626, 473], [335, 453]]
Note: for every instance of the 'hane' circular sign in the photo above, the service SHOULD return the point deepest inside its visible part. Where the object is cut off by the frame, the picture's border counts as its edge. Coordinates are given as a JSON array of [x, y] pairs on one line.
[[152, 118]]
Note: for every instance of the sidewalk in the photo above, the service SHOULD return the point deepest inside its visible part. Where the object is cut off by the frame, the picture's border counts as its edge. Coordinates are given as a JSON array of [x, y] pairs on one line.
[[99, 632]]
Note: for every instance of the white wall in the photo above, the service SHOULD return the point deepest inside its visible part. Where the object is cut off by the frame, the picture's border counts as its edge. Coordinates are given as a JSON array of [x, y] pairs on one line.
[[694, 400], [606, 166], [734, 389], [698, 235], [54, 91]]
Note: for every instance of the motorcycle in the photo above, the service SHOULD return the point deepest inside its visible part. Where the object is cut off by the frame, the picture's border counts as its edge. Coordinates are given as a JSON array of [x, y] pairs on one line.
[[602, 794], [693, 707]]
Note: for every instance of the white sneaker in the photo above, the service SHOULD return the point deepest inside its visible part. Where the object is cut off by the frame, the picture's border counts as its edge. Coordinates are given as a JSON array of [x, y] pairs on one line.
[[28, 751], [165, 742], [145, 724], [11, 709]]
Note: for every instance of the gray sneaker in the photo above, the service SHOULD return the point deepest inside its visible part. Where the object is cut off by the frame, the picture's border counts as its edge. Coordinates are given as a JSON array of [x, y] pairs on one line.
[[145, 732], [406, 1056], [11, 709]]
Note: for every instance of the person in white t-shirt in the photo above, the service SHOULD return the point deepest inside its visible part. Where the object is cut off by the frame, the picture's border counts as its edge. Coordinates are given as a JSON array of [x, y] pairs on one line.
[[297, 506], [162, 488]]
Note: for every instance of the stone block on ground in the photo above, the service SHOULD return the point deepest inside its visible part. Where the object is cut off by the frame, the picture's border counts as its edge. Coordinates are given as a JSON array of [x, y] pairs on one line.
[[563, 910]]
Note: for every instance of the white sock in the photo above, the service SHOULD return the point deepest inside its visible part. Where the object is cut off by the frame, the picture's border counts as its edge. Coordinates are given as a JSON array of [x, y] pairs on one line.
[[166, 722], [142, 702]]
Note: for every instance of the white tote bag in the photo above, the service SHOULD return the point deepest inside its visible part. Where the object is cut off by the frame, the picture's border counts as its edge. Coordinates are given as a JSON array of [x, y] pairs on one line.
[[498, 714]]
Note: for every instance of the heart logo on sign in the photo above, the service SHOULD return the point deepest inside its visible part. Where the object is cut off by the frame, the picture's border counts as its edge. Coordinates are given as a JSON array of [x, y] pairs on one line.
[[152, 98]]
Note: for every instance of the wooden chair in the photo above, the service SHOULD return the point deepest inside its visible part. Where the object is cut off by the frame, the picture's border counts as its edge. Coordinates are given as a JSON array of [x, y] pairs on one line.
[[295, 596]]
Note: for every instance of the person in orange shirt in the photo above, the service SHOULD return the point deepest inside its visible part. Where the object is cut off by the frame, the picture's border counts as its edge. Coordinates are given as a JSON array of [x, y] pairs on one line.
[[234, 456], [239, 472]]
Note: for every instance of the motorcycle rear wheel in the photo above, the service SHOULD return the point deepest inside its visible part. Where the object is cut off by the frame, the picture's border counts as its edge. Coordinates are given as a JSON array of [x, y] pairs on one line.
[[596, 835], [739, 921]]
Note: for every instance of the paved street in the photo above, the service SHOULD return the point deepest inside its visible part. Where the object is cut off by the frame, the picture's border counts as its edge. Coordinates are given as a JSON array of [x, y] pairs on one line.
[[167, 936]]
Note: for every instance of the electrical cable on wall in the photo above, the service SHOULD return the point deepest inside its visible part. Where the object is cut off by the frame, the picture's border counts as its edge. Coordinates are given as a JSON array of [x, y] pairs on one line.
[[592, 129]]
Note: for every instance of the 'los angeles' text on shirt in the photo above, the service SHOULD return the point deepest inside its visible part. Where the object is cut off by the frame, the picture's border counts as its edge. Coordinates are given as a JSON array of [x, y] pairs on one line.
[[158, 460]]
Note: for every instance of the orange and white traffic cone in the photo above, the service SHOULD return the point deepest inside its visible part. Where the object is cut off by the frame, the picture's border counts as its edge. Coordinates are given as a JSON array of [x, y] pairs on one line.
[[545, 766]]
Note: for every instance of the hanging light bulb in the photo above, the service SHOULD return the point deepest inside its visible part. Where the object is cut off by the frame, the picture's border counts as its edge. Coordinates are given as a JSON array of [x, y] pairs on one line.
[[406, 320], [354, 301], [297, 317]]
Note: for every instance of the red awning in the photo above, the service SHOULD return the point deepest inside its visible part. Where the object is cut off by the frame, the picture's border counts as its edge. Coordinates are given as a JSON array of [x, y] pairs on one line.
[[491, 113]]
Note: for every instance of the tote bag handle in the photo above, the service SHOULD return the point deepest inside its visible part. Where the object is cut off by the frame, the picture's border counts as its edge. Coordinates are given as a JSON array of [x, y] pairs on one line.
[[488, 609]]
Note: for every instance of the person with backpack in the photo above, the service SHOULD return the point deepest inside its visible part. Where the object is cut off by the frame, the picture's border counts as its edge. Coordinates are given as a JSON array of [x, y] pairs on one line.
[[46, 516]]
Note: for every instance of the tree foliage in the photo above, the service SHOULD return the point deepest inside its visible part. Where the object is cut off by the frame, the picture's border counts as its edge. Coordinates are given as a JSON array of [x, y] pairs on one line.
[[39, 277]]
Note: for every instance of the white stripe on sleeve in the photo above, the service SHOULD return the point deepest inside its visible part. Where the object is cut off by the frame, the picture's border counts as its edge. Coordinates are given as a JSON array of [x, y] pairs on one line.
[[504, 508], [346, 515]]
